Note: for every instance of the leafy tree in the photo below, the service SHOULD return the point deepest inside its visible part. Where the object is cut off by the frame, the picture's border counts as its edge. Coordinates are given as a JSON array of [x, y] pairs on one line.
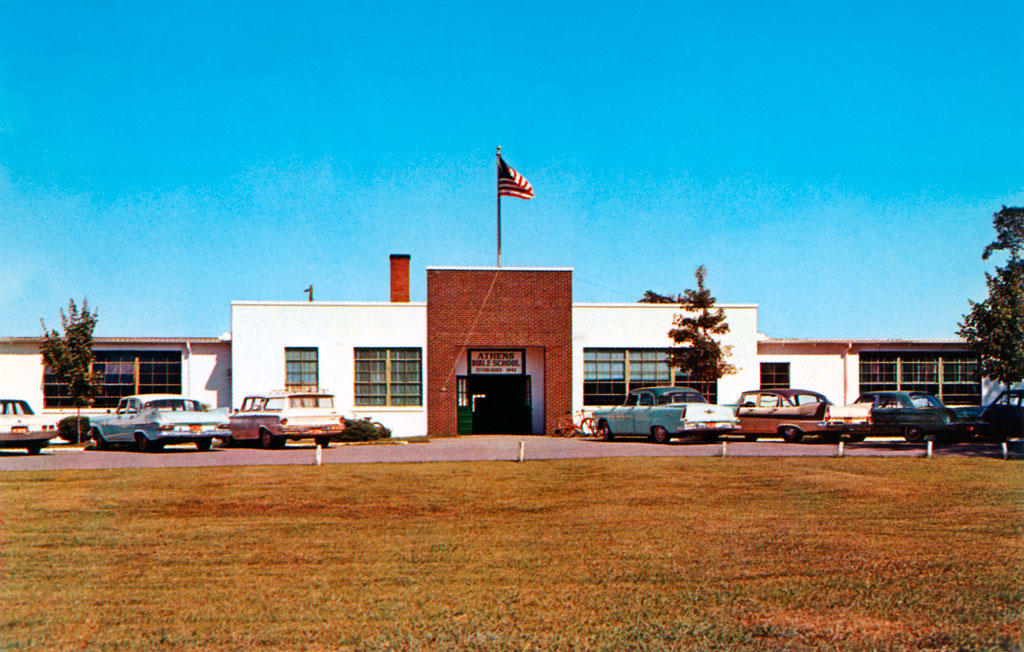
[[70, 355], [994, 328], [696, 351]]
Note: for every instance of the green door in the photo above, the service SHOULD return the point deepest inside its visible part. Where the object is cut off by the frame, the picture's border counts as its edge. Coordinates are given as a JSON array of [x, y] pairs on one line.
[[464, 409]]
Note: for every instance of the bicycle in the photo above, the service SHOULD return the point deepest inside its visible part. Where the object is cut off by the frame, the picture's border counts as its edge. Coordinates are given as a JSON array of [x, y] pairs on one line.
[[575, 424]]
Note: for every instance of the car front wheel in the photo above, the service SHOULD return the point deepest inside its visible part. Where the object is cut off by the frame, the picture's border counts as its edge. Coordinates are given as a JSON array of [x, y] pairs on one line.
[[792, 435], [605, 432], [101, 443]]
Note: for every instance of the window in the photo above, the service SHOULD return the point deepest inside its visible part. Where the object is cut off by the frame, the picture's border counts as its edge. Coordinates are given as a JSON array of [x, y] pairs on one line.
[[389, 377], [774, 375], [301, 369], [120, 374], [610, 374], [955, 378]]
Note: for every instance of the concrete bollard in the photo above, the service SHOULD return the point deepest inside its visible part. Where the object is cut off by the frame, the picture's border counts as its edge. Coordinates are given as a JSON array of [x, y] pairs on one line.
[[725, 448], [929, 454], [840, 453], [1006, 451], [319, 455], [522, 450]]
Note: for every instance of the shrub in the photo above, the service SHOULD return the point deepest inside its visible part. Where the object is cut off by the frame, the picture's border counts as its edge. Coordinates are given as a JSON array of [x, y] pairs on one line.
[[363, 430], [68, 431]]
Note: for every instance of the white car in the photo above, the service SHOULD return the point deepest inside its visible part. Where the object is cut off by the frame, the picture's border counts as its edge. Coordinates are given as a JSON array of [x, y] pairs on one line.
[[273, 418], [154, 420], [20, 427]]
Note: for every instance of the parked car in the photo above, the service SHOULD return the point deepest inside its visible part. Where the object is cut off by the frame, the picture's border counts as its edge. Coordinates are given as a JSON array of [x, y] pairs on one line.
[[153, 420], [793, 413], [1003, 417], [20, 427], [663, 413], [916, 415], [272, 419]]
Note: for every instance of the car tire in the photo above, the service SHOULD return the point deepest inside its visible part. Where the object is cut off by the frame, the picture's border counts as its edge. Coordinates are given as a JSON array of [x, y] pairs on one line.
[[830, 437], [34, 449], [913, 434], [750, 437], [792, 435], [101, 443], [204, 444], [604, 431], [266, 439], [709, 437], [857, 437], [660, 435], [323, 441], [143, 444]]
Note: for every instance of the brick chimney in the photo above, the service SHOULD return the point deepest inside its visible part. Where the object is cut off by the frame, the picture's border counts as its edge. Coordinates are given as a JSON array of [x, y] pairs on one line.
[[399, 278]]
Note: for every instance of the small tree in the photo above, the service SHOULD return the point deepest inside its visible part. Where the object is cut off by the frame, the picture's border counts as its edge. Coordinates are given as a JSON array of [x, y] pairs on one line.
[[695, 350], [994, 328], [70, 356]]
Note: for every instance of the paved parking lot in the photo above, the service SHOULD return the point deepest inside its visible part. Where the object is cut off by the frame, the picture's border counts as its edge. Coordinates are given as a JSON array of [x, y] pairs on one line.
[[475, 448]]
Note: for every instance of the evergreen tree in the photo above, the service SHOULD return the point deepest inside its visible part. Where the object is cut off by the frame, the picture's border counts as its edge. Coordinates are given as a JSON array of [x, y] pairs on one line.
[[994, 328], [696, 350]]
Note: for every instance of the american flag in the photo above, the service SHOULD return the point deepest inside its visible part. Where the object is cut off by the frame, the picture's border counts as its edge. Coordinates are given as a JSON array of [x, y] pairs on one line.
[[511, 183]]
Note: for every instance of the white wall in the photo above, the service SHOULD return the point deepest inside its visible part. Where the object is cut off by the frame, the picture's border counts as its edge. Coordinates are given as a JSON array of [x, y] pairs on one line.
[[636, 325], [262, 330], [21, 372], [204, 371]]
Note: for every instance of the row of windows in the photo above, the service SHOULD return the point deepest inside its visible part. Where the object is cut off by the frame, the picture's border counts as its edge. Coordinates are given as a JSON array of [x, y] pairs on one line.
[[953, 377], [384, 377], [610, 374], [394, 376], [121, 373]]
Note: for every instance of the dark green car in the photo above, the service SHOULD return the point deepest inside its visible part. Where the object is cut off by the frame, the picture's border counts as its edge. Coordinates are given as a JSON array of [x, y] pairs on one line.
[[916, 415]]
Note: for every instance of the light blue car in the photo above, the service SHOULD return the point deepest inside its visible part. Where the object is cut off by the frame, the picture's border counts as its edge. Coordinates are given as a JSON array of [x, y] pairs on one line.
[[662, 413], [151, 421]]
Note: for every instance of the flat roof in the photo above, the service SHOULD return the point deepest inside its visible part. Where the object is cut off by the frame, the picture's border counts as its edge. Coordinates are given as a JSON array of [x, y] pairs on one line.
[[850, 340], [128, 340], [502, 269]]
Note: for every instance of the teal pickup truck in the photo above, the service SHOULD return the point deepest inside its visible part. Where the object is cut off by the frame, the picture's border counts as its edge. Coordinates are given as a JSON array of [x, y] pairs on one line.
[[664, 413]]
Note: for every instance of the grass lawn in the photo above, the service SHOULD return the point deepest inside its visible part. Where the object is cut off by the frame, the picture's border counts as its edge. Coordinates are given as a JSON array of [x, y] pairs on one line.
[[623, 554]]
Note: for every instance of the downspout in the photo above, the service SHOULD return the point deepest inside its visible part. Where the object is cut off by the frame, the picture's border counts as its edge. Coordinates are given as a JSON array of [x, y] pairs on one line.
[[846, 377], [188, 369]]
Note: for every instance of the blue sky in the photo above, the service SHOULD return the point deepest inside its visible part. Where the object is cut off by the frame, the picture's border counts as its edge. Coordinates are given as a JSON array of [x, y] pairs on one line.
[[837, 163]]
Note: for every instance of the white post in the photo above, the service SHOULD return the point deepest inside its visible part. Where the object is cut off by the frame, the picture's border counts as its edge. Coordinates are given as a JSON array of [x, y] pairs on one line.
[[1006, 451], [929, 449], [319, 455], [522, 450], [840, 448], [724, 448]]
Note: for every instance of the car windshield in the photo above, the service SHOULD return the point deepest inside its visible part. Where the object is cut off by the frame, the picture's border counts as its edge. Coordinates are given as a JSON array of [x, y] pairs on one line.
[[176, 405], [925, 401], [14, 407], [311, 401], [680, 397]]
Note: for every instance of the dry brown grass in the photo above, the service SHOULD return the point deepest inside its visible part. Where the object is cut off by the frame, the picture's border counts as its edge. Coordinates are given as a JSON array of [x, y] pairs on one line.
[[650, 554]]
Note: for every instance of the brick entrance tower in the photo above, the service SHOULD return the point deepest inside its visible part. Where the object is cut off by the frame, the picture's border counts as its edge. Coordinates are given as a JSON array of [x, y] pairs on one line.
[[498, 308]]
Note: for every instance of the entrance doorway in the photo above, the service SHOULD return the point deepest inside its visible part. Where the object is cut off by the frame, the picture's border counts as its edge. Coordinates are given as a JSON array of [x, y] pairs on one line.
[[494, 404]]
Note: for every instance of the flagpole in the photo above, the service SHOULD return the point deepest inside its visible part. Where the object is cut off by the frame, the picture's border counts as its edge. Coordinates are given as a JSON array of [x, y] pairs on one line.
[[498, 163]]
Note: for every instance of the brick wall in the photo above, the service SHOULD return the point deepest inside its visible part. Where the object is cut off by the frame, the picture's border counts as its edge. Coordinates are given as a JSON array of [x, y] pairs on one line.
[[497, 308]]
